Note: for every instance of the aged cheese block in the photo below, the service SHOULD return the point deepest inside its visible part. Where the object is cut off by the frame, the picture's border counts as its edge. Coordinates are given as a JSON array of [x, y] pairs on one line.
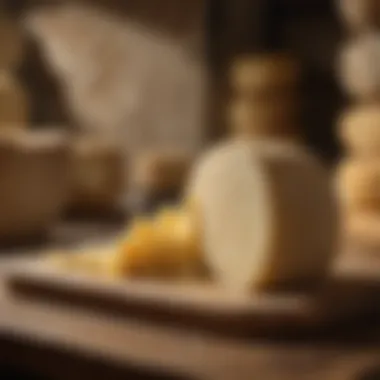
[[268, 215], [276, 118], [13, 101], [177, 229], [165, 246], [358, 185], [161, 171], [359, 130], [138, 253], [34, 183], [264, 72], [359, 67], [99, 175], [360, 15]]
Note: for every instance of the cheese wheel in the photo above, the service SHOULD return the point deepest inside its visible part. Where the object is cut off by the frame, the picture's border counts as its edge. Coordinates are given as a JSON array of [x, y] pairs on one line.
[[359, 64], [263, 72], [358, 185], [13, 102], [360, 15], [359, 130], [264, 119], [268, 215], [98, 175], [160, 172]]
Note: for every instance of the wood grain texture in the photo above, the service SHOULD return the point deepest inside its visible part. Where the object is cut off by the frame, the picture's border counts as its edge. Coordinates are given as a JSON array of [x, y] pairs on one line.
[[57, 331], [350, 295], [63, 341]]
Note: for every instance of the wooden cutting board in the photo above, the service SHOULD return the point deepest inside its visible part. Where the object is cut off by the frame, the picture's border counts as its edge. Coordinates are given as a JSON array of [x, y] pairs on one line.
[[351, 296]]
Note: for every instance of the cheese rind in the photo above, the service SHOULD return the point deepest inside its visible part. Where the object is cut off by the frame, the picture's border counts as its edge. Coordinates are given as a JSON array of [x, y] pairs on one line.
[[268, 215]]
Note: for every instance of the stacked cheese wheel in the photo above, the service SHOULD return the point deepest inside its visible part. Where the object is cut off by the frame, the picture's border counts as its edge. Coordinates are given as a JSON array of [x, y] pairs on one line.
[[358, 177], [13, 100], [264, 102]]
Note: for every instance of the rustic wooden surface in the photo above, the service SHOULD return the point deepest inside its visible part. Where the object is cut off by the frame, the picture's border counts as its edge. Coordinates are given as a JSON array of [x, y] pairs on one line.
[[80, 337], [61, 342], [351, 296]]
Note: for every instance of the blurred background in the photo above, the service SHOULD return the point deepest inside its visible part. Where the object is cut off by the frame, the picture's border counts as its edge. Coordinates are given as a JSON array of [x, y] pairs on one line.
[[196, 41], [104, 106], [137, 89]]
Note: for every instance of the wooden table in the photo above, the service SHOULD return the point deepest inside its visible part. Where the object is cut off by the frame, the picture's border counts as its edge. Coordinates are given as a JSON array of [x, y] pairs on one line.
[[60, 342], [65, 343]]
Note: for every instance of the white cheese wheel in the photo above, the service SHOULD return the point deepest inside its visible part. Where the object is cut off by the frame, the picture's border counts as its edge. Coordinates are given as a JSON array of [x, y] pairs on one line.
[[359, 130], [268, 215], [359, 65], [358, 185]]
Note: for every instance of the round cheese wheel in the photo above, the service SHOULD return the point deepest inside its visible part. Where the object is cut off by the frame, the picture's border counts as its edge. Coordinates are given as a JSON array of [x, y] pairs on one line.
[[268, 215], [264, 119], [359, 64], [13, 102], [359, 130], [358, 185], [258, 72], [360, 15]]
